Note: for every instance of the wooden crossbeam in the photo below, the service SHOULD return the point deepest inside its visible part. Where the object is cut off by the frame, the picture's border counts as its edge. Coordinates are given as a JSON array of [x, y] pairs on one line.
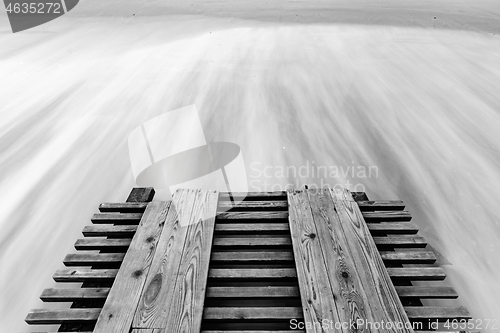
[[386, 216], [73, 295], [401, 228], [408, 257], [251, 242], [427, 292], [252, 292], [417, 273], [225, 313], [254, 205], [59, 316], [257, 215], [109, 230], [221, 273], [262, 256], [126, 207], [380, 205], [88, 244], [251, 227], [437, 313], [400, 241], [91, 259], [116, 218]]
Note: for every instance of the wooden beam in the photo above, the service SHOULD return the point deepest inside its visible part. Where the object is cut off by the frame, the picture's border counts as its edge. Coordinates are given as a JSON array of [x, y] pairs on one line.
[[316, 291], [437, 313], [252, 242], [408, 257], [401, 228], [359, 268], [262, 256], [250, 227], [427, 292], [141, 194], [74, 295], [91, 259], [273, 273], [82, 275], [88, 244], [387, 216], [118, 311], [175, 290], [254, 205], [250, 292], [126, 207], [417, 273], [400, 241], [257, 215], [59, 316], [109, 230], [117, 218], [380, 205], [228, 313], [252, 195]]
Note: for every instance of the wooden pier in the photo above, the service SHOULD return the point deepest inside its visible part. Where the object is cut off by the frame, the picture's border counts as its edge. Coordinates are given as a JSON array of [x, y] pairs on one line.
[[298, 261]]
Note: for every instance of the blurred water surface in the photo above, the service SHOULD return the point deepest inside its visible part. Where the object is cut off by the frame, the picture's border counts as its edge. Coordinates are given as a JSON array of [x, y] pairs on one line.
[[420, 105]]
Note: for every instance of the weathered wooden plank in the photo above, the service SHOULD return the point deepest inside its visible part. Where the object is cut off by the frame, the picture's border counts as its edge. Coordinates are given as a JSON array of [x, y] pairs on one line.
[[366, 290], [88, 244], [263, 256], [227, 313], [417, 273], [426, 292], [186, 308], [126, 207], [249, 242], [59, 316], [90, 259], [257, 215], [386, 216], [116, 218], [315, 289], [277, 273], [251, 227], [109, 230], [175, 302], [250, 292], [254, 205], [408, 257], [252, 195], [437, 313], [73, 295], [157, 293], [141, 194], [400, 241], [380, 205], [81, 275], [118, 311], [403, 228]]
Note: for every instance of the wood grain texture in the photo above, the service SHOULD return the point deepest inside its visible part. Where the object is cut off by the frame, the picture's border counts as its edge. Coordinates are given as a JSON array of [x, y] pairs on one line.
[[157, 294], [252, 195], [72, 295], [58, 316], [92, 259], [401, 241], [126, 207], [250, 292], [252, 242], [228, 313], [118, 311], [250, 227], [254, 205], [381, 205], [107, 230], [83, 275], [257, 215], [116, 244], [402, 228], [261, 256], [408, 257], [186, 310], [368, 267], [417, 273], [386, 216], [116, 218], [141, 194], [278, 273], [317, 297], [436, 312], [427, 292]]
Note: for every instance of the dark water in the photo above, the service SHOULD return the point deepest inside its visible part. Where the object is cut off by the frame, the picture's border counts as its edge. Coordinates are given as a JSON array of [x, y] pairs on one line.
[[399, 109]]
